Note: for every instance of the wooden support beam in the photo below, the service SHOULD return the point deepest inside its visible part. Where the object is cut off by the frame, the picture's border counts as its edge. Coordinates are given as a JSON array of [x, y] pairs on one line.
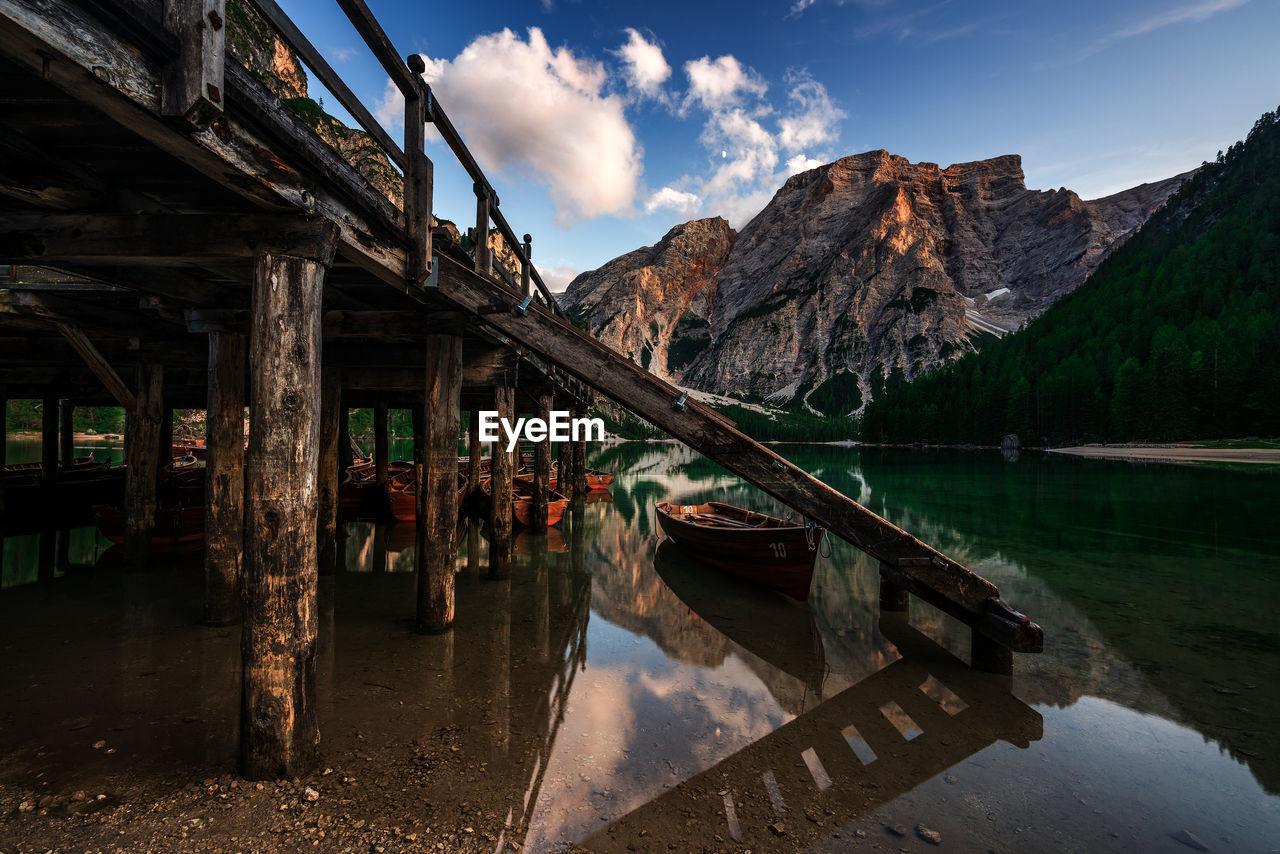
[[165, 240], [380, 443], [580, 457], [665, 406], [413, 325], [893, 597], [500, 474], [66, 434], [541, 469], [436, 547], [482, 231], [193, 84], [473, 452], [279, 732], [329, 476], [101, 367], [142, 464], [224, 480], [49, 440], [346, 453]]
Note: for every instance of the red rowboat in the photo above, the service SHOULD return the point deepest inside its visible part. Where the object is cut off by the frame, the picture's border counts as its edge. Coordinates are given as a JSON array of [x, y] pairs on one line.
[[759, 548], [522, 502], [402, 495]]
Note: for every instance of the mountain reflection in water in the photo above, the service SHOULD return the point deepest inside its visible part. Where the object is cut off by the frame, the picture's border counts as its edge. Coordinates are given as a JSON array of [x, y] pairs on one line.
[[611, 686]]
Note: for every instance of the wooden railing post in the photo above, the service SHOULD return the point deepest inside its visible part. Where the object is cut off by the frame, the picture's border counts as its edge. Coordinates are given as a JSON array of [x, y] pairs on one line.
[[482, 230], [417, 178], [525, 264]]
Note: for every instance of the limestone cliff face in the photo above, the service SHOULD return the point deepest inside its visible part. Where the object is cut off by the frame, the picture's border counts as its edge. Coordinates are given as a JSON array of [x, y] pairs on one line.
[[252, 41], [642, 302], [861, 274]]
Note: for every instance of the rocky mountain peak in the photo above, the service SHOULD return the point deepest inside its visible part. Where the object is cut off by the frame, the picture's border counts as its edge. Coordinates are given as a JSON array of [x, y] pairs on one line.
[[858, 275]]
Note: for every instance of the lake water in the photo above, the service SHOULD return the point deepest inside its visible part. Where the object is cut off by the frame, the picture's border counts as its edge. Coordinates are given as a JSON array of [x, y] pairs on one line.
[[612, 694]]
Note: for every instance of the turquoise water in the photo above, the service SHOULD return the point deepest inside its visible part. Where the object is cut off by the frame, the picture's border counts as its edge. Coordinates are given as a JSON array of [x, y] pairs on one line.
[[622, 689]]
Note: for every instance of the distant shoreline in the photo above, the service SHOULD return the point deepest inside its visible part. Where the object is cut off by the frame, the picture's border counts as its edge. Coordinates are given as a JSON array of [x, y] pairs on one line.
[[1175, 453]]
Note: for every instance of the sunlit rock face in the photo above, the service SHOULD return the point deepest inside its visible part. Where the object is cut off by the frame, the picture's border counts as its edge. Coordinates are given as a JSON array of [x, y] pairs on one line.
[[858, 275]]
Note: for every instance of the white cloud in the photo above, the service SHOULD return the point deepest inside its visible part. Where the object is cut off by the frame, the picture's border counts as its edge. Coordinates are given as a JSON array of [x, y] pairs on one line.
[[720, 83], [685, 204], [557, 278], [344, 54], [521, 105], [645, 67], [814, 119], [1189, 13], [747, 139], [800, 163]]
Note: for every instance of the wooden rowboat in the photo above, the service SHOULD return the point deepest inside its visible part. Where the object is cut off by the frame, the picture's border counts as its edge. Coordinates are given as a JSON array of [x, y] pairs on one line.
[[596, 479], [758, 548], [522, 502], [402, 495]]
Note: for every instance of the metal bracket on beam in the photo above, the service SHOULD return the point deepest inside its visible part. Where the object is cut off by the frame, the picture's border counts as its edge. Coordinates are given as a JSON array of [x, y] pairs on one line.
[[682, 403], [523, 308], [433, 278]]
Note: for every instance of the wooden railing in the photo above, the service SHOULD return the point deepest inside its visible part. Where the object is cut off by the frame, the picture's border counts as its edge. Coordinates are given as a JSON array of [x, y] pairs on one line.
[[421, 107]]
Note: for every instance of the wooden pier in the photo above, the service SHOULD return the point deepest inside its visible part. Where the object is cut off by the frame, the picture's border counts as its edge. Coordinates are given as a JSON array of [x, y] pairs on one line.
[[212, 251]]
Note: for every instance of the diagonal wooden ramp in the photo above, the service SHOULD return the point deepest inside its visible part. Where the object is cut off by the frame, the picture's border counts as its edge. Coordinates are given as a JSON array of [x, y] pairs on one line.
[[905, 560]]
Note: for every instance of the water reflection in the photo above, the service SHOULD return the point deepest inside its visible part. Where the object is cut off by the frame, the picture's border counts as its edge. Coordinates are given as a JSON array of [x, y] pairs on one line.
[[609, 686]]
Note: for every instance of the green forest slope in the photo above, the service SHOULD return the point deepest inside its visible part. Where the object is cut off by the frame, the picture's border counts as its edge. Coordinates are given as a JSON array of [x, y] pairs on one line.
[[1175, 336]]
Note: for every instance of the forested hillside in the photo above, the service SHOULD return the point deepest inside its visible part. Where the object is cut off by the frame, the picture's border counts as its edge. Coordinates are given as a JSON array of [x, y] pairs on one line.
[[1175, 336]]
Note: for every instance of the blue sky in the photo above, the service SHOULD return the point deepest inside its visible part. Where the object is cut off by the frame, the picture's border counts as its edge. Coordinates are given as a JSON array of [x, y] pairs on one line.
[[601, 125]]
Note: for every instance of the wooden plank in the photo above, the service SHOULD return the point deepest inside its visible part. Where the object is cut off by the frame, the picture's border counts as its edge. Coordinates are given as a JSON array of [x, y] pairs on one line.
[[101, 367], [436, 547], [473, 452], [224, 481], [142, 464], [279, 734], [526, 264], [653, 399], [376, 38], [84, 54], [193, 83], [413, 325], [151, 239]]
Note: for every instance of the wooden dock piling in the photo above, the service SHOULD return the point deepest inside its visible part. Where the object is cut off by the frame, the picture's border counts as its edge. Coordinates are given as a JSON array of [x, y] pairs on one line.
[[49, 440], [580, 456], [329, 476], [541, 469], [473, 453], [279, 734], [500, 492], [224, 478], [66, 434], [438, 506], [142, 464], [380, 459]]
